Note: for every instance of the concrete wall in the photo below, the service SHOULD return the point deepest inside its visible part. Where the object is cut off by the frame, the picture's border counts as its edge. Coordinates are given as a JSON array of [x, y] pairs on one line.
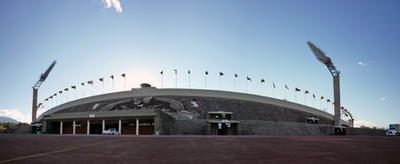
[[364, 131], [258, 127], [248, 110]]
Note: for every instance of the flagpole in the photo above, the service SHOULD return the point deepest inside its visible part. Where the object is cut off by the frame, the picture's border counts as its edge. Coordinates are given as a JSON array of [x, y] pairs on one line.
[[295, 97], [313, 103], [162, 78], [219, 82], [273, 92], [83, 90], [320, 107], [273, 89], [326, 106], [189, 78], [285, 94], [102, 87], [205, 81], [112, 81], [234, 84], [124, 76], [176, 79], [124, 83], [247, 86], [304, 99]]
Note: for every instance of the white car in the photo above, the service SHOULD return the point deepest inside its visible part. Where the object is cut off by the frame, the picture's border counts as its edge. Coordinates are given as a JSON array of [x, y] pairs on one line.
[[111, 131], [392, 132]]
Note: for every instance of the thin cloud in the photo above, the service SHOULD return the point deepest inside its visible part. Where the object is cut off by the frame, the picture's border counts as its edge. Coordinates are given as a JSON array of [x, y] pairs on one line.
[[359, 123], [113, 3], [383, 99], [361, 63], [15, 114]]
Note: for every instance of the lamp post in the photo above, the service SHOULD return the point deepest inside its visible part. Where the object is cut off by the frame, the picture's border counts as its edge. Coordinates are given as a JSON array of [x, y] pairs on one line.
[[35, 88], [320, 55]]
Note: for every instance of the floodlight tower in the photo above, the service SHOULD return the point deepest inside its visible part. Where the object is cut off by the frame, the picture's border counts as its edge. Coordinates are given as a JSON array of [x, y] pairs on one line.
[[35, 88], [320, 55]]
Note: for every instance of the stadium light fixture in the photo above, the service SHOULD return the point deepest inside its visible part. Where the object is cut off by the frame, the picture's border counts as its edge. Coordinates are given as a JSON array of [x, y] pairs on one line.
[[320, 55], [35, 88]]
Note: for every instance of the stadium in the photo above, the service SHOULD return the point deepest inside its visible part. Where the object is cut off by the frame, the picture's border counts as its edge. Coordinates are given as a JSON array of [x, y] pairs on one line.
[[152, 111]]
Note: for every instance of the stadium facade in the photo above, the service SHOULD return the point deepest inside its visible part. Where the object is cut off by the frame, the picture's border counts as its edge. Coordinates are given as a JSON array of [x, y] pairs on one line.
[[152, 111]]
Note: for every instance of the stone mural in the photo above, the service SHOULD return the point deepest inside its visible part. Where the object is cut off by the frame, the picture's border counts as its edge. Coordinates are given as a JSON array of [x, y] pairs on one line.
[[188, 111]]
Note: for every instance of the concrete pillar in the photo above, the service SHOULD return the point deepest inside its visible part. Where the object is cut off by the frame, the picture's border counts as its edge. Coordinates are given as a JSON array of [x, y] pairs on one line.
[[137, 126], [103, 126], [120, 126], [157, 123], [336, 92], [34, 104], [73, 127], [44, 126], [61, 127], [88, 127]]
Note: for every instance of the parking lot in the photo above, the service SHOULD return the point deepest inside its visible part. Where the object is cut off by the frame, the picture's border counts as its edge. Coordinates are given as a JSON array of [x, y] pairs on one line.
[[198, 149]]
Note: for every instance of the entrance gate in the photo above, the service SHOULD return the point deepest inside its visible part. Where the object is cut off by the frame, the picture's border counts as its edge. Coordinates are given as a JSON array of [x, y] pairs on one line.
[[222, 123]]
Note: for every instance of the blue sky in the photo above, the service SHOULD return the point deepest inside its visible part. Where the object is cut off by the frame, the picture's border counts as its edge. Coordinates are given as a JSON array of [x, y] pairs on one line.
[[260, 38]]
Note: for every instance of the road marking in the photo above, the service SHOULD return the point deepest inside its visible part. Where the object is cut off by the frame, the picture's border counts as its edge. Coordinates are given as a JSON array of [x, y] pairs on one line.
[[58, 151]]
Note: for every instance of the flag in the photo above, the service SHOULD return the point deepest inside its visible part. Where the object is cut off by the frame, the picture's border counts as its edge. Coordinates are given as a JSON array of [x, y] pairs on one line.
[[221, 74], [73, 87], [66, 89], [297, 89], [286, 86], [333, 103], [46, 99], [123, 75], [341, 107], [101, 79], [236, 75], [188, 71], [59, 91], [162, 72], [206, 72], [40, 104], [346, 114], [262, 80], [248, 78], [51, 97], [313, 95], [306, 92], [322, 97], [83, 84], [327, 100], [90, 82], [112, 76], [55, 94], [176, 71], [273, 84]]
